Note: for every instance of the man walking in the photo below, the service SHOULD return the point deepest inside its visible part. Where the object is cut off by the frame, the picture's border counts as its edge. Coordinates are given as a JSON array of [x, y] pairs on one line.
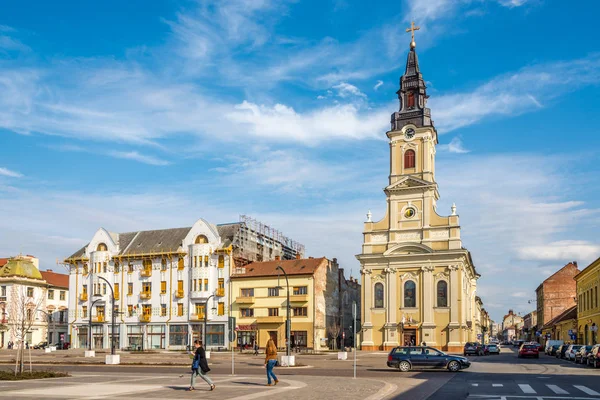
[[200, 366]]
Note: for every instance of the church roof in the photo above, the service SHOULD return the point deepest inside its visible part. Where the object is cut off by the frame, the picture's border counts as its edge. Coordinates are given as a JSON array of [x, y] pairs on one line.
[[20, 267]]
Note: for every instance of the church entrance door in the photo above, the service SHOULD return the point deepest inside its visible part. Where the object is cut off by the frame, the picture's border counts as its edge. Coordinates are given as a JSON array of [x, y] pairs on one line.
[[409, 337]]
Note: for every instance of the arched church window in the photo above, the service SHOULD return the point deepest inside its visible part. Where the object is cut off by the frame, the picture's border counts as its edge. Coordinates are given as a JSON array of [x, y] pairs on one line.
[[101, 247], [409, 159], [442, 294], [201, 239], [410, 294], [379, 295], [410, 100]]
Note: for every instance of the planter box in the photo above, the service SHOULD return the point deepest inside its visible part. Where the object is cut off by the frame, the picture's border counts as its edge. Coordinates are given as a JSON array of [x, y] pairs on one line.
[[287, 361], [90, 353], [207, 354], [47, 350], [52, 348], [113, 360], [342, 355]]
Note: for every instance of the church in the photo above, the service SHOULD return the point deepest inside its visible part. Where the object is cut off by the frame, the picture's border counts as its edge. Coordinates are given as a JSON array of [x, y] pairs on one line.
[[418, 281]]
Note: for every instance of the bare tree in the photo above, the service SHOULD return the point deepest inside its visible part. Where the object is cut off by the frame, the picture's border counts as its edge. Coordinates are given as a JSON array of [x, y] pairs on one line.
[[22, 309], [334, 329]]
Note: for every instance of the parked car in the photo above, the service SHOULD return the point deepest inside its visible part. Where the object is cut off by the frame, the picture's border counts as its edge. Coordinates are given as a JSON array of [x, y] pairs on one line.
[[560, 353], [41, 345], [539, 345], [550, 343], [518, 343], [492, 349], [473, 348], [571, 350], [528, 350], [419, 357], [62, 345], [551, 351], [593, 357], [581, 354]]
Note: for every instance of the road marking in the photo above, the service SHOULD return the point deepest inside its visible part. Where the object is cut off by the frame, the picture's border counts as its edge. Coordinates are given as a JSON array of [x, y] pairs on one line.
[[587, 390], [527, 388], [497, 385], [557, 390], [475, 384]]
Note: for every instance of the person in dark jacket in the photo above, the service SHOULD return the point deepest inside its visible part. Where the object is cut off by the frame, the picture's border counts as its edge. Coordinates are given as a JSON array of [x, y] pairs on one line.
[[200, 366]]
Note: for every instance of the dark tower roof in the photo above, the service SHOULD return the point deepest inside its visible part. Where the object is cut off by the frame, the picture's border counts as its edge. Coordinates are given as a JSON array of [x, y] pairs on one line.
[[412, 96]]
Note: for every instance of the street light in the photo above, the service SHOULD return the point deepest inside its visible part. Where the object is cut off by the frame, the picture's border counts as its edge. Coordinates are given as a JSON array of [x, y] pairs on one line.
[[206, 318], [90, 324], [342, 320], [112, 292], [287, 320]]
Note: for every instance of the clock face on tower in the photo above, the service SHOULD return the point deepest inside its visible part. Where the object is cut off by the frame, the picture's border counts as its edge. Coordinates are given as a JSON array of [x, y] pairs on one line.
[[409, 133]]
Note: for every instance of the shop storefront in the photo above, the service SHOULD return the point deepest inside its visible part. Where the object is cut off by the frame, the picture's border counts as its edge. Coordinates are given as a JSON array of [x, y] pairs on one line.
[[134, 337], [156, 336], [178, 335], [246, 335], [82, 337]]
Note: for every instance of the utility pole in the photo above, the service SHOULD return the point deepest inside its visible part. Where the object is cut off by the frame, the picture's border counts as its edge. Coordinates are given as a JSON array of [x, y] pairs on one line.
[[355, 349]]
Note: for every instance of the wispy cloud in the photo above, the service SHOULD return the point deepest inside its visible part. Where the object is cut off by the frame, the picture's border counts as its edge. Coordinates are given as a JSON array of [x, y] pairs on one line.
[[9, 173], [561, 251], [134, 155], [455, 146], [347, 90], [378, 85]]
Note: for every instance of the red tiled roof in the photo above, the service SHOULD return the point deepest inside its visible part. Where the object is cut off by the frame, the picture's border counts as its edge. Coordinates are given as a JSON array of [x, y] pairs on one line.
[[3, 262], [54, 279], [304, 266]]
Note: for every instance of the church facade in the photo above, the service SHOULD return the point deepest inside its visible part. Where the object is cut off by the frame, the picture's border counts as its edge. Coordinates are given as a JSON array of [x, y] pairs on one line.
[[418, 282]]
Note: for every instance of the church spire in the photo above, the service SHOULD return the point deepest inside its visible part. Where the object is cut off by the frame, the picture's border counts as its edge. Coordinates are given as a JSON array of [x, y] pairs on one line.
[[412, 93]]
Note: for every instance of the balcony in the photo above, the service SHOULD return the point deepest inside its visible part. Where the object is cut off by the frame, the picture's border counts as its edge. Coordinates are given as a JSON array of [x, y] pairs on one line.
[[98, 318], [83, 297], [197, 317], [299, 298], [146, 272], [117, 295], [244, 300], [270, 320], [145, 318], [220, 292], [146, 295], [179, 294]]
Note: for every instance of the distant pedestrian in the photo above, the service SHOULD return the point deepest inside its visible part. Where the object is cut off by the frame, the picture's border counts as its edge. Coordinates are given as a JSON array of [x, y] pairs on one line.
[[255, 348], [424, 344], [200, 366], [270, 361], [27, 345]]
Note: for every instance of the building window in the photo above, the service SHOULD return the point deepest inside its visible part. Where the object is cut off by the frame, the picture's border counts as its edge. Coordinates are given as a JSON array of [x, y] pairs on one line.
[[299, 338], [180, 309], [273, 312], [84, 290], [147, 264], [130, 268], [84, 311], [130, 310], [442, 294], [201, 239], [300, 311], [100, 313], [180, 263], [50, 294], [147, 288], [147, 309], [379, 295], [221, 261], [62, 295], [206, 261], [104, 267], [409, 159], [300, 290], [180, 288], [206, 285], [117, 291], [221, 309], [117, 267], [163, 264], [129, 288], [163, 310], [85, 269], [248, 292], [221, 287], [163, 287], [247, 312], [410, 295], [200, 310], [101, 247], [178, 335], [273, 292], [29, 292], [215, 335], [104, 288], [3, 291]]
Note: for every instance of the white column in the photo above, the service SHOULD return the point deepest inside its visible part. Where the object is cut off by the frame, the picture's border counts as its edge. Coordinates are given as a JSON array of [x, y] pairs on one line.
[[428, 326], [454, 325], [391, 325], [367, 339]]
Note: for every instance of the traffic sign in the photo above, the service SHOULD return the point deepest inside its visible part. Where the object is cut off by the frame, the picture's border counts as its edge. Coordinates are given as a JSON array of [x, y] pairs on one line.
[[231, 336]]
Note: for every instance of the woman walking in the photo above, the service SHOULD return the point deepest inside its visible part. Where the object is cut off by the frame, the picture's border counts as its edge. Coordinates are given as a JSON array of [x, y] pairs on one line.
[[200, 366], [270, 361]]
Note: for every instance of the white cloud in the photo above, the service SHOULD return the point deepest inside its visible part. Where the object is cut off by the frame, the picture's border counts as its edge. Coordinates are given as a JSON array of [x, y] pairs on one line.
[[561, 251], [9, 173], [347, 90], [134, 155], [512, 3], [378, 85], [455, 146]]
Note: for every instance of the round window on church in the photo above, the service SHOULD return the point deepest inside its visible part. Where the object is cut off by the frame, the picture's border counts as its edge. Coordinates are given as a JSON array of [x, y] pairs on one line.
[[410, 212]]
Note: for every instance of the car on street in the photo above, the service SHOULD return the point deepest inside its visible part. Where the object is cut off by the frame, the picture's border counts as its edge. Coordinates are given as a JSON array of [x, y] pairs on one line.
[[41, 345], [581, 354], [571, 350], [492, 349], [528, 350], [594, 356], [62, 345], [473, 348], [518, 343], [550, 343], [405, 358], [560, 353], [551, 351]]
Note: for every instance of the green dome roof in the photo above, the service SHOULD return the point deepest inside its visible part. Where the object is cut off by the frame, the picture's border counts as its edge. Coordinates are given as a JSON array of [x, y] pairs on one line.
[[20, 267]]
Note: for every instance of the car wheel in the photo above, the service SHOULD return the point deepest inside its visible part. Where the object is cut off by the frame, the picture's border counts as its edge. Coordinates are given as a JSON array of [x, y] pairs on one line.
[[404, 366], [454, 366]]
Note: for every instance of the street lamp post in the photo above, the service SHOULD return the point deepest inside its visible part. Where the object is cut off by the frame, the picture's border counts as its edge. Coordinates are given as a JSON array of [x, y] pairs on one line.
[[343, 342], [112, 292], [90, 337], [287, 319], [205, 319]]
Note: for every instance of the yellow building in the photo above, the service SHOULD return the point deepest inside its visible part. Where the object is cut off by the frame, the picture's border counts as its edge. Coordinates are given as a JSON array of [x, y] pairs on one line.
[[419, 283], [259, 298], [562, 327], [588, 309]]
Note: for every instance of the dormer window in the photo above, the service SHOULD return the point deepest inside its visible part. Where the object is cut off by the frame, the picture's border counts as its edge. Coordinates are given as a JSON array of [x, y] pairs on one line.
[[101, 247], [409, 159], [201, 239]]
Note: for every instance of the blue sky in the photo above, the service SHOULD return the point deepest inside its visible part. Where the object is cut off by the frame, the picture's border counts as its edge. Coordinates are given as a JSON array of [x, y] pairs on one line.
[[145, 115]]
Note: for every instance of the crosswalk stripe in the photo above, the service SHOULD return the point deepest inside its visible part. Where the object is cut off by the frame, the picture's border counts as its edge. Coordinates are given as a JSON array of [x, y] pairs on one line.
[[526, 388], [497, 385], [587, 390], [557, 389]]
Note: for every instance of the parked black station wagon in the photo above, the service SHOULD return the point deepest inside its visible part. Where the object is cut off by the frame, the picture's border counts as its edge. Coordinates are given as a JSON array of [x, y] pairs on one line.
[[419, 357]]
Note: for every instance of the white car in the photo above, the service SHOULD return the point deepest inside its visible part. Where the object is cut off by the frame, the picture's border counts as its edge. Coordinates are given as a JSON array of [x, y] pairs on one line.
[[571, 350]]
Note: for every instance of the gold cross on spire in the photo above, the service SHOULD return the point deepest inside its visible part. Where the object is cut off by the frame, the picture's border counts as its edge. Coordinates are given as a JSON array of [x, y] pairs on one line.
[[412, 30]]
